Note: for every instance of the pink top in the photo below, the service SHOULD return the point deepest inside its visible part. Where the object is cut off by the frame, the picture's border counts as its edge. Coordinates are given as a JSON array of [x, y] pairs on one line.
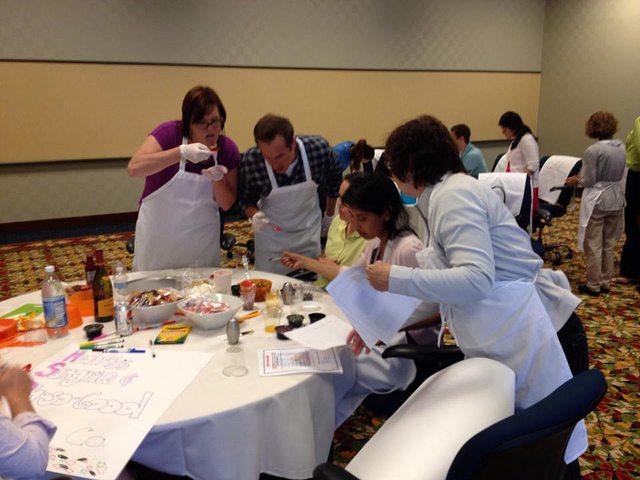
[[399, 251]]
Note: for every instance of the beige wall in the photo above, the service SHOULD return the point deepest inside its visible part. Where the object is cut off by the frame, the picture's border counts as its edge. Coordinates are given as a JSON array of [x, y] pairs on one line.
[[419, 48], [590, 62]]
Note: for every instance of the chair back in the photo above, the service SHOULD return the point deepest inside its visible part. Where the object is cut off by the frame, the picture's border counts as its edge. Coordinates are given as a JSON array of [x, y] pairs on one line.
[[554, 170], [514, 189], [531, 443], [500, 163], [420, 440]]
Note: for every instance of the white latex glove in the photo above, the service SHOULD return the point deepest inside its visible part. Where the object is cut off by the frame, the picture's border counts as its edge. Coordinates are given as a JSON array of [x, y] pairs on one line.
[[215, 173], [326, 223], [195, 152], [258, 221]]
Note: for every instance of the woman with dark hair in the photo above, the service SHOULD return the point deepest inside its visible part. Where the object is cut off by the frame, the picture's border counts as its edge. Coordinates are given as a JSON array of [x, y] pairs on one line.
[[190, 171], [602, 204], [478, 266], [523, 155], [360, 156], [377, 213], [344, 244]]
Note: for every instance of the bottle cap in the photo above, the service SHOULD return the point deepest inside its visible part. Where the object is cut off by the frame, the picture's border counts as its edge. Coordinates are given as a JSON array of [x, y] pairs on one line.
[[49, 269]]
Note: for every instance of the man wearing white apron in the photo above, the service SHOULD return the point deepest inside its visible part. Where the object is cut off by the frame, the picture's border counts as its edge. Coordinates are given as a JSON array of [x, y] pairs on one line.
[[279, 191], [601, 208], [190, 171], [479, 266]]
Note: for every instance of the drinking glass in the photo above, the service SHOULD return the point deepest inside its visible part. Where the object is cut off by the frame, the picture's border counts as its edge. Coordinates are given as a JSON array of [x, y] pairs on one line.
[[234, 363], [273, 303]]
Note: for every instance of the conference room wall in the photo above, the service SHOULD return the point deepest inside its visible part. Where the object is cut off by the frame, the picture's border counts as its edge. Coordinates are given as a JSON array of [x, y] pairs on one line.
[[590, 62], [364, 40]]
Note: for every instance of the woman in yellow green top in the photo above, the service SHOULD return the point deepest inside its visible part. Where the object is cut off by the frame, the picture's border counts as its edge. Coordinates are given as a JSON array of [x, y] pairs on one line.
[[630, 259], [344, 243]]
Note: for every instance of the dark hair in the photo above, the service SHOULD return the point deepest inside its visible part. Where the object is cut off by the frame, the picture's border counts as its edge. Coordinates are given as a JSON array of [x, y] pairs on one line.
[[377, 194], [382, 166], [514, 122], [358, 152], [601, 125], [422, 151], [196, 104], [462, 130], [270, 126]]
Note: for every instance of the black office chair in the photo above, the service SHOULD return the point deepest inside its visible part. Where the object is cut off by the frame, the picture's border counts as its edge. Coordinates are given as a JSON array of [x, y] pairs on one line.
[[528, 445], [548, 211]]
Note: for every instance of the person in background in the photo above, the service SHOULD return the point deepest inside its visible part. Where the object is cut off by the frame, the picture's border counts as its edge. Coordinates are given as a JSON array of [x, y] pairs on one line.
[[600, 226], [470, 154], [478, 266], [360, 158], [190, 171], [523, 155], [279, 180], [344, 244], [378, 214], [630, 258], [24, 443]]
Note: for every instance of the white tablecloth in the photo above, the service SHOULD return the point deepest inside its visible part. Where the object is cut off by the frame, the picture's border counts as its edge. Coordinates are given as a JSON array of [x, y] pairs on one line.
[[222, 427]]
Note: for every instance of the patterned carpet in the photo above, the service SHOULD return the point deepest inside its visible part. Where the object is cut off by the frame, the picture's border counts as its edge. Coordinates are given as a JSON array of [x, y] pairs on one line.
[[611, 322]]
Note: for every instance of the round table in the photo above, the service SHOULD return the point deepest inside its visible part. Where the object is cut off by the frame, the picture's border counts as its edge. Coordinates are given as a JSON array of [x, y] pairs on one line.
[[226, 427]]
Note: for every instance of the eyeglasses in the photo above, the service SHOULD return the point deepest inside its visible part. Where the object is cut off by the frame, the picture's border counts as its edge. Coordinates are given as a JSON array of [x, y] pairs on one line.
[[214, 122]]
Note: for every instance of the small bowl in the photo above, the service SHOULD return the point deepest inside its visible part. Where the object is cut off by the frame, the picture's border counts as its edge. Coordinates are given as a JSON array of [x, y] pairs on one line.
[[314, 317], [209, 321], [93, 330], [281, 331], [295, 320], [235, 290], [263, 286]]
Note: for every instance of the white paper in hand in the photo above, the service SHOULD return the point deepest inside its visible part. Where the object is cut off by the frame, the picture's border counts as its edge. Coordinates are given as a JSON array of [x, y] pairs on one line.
[[375, 315], [324, 334]]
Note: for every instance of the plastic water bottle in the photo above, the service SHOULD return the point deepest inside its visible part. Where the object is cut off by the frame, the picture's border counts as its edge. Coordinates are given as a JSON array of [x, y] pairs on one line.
[[120, 294], [54, 304], [122, 308]]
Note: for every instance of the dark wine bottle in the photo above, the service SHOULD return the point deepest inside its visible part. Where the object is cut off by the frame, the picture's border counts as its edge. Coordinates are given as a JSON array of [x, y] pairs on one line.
[[102, 291]]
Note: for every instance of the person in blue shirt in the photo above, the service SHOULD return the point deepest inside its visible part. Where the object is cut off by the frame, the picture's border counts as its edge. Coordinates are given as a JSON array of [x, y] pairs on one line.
[[470, 154]]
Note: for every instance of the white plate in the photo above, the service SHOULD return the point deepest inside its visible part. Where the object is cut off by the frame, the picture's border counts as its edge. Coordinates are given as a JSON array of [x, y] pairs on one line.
[[311, 306]]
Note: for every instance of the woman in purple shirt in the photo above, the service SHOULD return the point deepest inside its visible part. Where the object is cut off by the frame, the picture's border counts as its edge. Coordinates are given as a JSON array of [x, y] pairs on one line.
[[190, 171]]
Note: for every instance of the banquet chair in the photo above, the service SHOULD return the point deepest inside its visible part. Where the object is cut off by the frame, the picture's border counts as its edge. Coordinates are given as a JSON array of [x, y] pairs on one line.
[[555, 197], [527, 445], [447, 410]]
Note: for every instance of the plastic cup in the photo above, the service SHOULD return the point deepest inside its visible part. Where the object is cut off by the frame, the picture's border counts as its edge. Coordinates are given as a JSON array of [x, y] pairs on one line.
[[234, 363], [248, 295], [74, 316], [273, 304], [222, 281]]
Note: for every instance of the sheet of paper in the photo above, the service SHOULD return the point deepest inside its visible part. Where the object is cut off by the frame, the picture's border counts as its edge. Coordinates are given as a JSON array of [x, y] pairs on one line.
[[324, 334], [105, 403], [297, 360], [375, 315]]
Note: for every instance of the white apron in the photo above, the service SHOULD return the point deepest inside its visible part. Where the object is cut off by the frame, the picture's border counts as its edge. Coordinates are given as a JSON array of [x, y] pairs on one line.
[[295, 216], [178, 224], [590, 196], [512, 327]]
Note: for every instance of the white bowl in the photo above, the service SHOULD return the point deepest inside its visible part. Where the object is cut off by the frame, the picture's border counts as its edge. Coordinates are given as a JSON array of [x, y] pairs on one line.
[[209, 321], [154, 314]]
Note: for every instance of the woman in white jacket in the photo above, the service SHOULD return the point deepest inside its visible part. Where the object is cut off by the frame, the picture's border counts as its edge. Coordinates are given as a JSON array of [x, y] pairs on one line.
[[478, 265]]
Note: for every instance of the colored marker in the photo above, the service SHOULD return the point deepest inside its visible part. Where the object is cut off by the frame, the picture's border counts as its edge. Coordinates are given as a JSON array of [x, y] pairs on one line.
[[118, 350], [27, 368], [153, 348]]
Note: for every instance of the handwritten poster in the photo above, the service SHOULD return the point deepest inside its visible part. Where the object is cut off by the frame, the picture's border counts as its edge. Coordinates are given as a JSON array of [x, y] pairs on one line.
[[105, 403]]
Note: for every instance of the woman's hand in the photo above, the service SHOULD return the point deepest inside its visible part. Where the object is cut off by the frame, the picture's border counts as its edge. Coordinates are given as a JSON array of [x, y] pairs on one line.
[[292, 260], [14, 381], [572, 181], [378, 275], [355, 342]]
